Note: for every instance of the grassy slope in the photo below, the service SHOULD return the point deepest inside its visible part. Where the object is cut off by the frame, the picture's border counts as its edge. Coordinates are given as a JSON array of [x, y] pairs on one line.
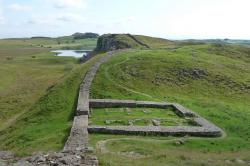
[[47, 123], [35, 81], [126, 39], [219, 92], [24, 79], [153, 43]]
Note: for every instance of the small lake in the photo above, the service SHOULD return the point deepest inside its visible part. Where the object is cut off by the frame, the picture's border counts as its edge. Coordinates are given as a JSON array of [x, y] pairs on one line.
[[73, 53]]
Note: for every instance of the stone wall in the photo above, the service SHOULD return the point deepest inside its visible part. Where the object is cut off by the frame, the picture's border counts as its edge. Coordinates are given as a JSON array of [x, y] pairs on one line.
[[77, 142], [83, 98], [108, 103], [78, 138], [156, 130], [105, 103]]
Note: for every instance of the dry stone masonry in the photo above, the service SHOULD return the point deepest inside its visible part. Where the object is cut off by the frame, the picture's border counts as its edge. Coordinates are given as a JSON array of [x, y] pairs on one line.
[[77, 142], [83, 99], [204, 128]]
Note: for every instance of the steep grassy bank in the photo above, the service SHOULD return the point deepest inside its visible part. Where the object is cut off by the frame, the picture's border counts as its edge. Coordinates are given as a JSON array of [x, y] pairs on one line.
[[211, 80], [45, 126]]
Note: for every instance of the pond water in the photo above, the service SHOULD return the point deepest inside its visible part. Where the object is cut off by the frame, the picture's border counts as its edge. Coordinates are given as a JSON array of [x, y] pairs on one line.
[[74, 53]]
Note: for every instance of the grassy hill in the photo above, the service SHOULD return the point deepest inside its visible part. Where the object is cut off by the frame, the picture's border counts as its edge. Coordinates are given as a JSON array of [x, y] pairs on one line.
[[211, 79]]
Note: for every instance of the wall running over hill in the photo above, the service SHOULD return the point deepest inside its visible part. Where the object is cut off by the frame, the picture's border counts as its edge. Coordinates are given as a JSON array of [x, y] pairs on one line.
[[109, 42]]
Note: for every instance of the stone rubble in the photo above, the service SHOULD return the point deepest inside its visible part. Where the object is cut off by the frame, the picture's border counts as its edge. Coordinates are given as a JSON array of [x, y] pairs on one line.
[[83, 157]]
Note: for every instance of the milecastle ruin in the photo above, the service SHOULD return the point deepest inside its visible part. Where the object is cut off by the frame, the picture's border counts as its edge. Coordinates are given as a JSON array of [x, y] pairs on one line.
[[78, 139]]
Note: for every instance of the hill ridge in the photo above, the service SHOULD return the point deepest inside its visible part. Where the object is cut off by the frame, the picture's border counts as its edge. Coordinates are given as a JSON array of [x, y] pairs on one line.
[[138, 41]]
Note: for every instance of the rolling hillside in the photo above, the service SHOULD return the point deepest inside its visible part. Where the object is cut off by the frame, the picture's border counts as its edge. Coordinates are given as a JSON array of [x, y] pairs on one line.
[[211, 79]]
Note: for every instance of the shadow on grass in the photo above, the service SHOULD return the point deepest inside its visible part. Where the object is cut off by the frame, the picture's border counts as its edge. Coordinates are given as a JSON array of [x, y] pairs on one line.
[[71, 118]]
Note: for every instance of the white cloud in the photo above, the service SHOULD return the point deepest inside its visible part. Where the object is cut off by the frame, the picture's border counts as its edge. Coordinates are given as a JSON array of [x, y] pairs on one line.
[[19, 7], [2, 20], [125, 20], [70, 17], [38, 20], [73, 4], [56, 19], [211, 19]]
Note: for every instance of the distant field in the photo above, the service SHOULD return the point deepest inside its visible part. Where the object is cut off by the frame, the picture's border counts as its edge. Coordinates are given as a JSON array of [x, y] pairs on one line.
[[51, 43], [212, 80]]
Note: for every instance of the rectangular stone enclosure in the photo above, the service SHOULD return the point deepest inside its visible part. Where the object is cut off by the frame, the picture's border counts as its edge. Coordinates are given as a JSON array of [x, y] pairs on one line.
[[198, 127]]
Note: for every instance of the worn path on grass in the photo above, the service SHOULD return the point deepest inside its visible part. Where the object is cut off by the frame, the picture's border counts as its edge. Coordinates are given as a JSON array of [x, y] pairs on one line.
[[107, 75]]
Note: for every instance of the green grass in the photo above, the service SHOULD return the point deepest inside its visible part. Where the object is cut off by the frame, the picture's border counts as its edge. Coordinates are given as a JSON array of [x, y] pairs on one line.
[[207, 79], [24, 79], [37, 95], [137, 116], [154, 151], [156, 43]]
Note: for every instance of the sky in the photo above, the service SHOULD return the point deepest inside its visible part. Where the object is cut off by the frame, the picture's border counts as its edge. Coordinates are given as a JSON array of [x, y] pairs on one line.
[[172, 19]]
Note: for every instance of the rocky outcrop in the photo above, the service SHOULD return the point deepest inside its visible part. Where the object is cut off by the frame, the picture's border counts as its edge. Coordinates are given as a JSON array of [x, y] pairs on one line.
[[109, 42]]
